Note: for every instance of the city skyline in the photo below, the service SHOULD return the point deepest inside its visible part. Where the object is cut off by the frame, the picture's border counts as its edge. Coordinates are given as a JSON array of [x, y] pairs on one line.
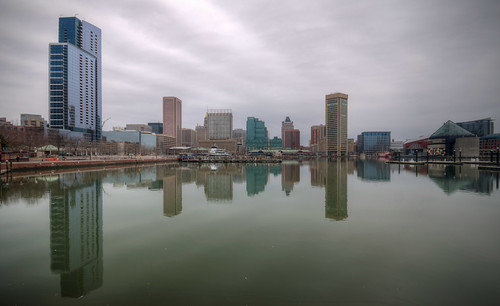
[[271, 61]]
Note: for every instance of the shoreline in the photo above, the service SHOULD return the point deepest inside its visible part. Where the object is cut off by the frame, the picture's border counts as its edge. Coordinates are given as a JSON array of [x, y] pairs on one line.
[[18, 167]]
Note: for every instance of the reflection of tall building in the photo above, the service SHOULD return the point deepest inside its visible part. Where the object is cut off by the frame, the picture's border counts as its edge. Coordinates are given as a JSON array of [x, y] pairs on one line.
[[290, 176], [172, 192], [275, 169], [451, 179], [76, 233], [336, 190], [239, 176], [317, 168], [219, 187], [373, 170], [256, 178], [188, 175]]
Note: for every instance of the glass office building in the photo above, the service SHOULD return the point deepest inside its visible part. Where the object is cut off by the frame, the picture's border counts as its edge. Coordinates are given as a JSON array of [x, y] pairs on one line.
[[256, 134], [374, 142], [480, 128], [75, 91]]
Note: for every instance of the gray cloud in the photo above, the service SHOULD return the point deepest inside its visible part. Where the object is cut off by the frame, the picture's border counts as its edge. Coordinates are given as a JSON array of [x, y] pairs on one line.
[[407, 66]]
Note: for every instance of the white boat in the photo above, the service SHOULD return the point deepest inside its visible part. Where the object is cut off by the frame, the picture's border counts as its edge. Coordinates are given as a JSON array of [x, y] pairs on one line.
[[214, 151]]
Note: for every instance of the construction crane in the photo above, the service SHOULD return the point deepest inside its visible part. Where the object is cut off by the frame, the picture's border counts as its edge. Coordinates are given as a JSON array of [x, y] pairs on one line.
[[104, 122]]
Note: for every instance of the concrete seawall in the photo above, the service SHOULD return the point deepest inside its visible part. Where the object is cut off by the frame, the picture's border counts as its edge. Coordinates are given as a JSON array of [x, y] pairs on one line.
[[75, 164]]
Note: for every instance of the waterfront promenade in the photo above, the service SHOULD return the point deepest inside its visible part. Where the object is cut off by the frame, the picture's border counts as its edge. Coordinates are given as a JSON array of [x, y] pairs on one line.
[[101, 161]]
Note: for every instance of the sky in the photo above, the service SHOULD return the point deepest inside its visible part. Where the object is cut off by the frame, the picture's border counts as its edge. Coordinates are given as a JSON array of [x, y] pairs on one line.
[[407, 66]]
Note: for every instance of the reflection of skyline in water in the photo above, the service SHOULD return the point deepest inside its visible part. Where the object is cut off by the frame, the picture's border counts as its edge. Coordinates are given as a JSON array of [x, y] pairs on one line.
[[172, 192], [76, 233], [256, 178], [336, 190], [452, 179], [218, 183], [373, 170], [289, 176]]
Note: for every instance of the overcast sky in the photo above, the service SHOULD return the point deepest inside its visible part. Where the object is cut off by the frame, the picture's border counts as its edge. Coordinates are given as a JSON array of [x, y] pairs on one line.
[[407, 66]]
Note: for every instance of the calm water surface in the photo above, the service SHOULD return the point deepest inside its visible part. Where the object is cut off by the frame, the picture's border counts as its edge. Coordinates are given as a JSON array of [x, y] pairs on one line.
[[318, 233]]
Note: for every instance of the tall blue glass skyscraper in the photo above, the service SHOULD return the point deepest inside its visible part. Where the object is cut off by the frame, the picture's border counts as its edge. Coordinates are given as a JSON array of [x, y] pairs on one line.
[[75, 91]]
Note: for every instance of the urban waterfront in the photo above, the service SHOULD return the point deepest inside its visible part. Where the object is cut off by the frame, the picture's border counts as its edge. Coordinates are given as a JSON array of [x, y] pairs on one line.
[[314, 233]]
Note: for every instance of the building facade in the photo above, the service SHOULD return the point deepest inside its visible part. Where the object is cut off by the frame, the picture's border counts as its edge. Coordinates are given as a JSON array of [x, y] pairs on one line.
[[33, 120], [480, 128], [292, 139], [286, 125], [220, 124], [318, 138], [489, 143], [374, 142], [172, 118], [451, 139], [336, 124], [256, 134], [156, 127], [188, 138], [275, 143], [75, 81], [139, 127]]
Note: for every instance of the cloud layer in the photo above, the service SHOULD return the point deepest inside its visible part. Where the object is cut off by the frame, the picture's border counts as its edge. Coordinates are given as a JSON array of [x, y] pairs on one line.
[[407, 66]]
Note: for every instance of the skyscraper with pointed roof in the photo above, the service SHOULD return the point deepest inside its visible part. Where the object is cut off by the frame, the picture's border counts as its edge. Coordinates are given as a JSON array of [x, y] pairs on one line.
[[286, 125]]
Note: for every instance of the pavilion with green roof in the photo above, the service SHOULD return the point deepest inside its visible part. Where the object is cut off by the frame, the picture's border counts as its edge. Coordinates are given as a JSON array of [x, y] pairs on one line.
[[450, 137]]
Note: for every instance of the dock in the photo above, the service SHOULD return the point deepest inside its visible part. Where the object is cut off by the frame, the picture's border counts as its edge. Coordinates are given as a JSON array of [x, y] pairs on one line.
[[229, 160], [414, 163]]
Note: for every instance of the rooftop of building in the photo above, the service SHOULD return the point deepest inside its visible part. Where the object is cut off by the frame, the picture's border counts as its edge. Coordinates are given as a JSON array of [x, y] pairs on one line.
[[451, 129], [419, 138], [492, 136]]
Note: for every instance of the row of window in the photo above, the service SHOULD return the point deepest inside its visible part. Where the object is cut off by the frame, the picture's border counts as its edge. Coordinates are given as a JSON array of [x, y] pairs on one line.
[[56, 122], [56, 87], [56, 48]]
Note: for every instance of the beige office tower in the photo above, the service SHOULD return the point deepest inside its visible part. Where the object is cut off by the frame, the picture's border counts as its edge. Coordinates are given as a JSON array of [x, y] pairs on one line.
[[336, 124], [219, 124], [172, 118]]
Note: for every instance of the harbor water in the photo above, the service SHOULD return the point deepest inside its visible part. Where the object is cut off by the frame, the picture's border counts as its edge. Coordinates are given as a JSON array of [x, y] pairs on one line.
[[314, 233]]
